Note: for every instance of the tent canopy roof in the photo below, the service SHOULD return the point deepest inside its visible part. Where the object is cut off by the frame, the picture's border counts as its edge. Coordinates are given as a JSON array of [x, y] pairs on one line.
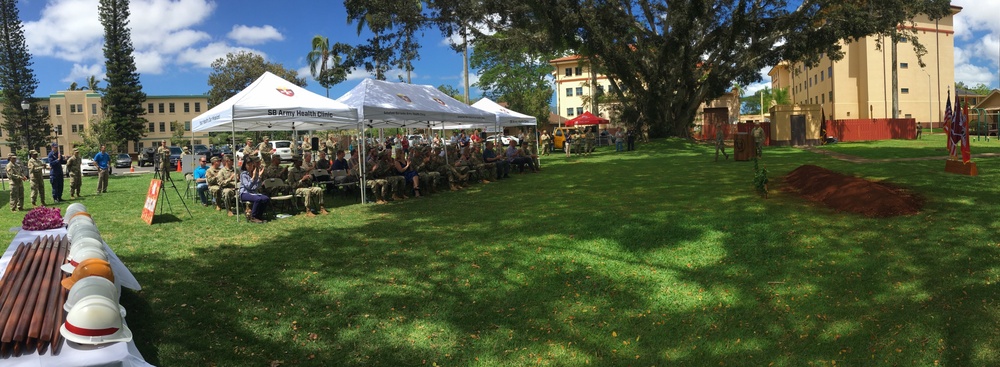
[[587, 118], [504, 116], [272, 103], [388, 104]]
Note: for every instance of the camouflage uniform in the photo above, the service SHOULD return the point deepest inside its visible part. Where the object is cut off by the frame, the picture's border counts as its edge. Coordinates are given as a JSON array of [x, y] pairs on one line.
[[476, 159], [16, 176], [212, 179], [35, 167], [430, 178], [375, 181], [272, 171], [303, 187], [164, 154], [227, 188], [720, 142], [758, 139], [395, 184], [264, 148], [248, 149], [75, 174], [589, 142]]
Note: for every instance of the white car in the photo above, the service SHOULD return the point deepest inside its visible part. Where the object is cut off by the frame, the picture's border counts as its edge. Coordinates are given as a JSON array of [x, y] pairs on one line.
[[88, 167], [283, 148], [504, 139]]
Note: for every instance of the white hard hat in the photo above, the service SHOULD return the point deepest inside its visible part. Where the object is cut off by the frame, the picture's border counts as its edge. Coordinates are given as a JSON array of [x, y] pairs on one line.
[[75, 226], [73, 209], [95, 320], [84, 241], [85, 231], [92, 286], [80, 253]]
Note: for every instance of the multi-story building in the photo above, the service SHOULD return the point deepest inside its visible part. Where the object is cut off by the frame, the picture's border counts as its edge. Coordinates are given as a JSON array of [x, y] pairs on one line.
[[72, 111], [574, 83], [859, 86]]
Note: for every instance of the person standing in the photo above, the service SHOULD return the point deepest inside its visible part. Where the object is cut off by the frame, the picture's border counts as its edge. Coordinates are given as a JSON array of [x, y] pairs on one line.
[[16, 176], [264, 148], [590, 140], [103, 162], [163, 153], [248, 149], [630, 140], [75, 174], [758, 139], [619, 141], [720, 142], [545, 142], [35, 169], [56, 179]]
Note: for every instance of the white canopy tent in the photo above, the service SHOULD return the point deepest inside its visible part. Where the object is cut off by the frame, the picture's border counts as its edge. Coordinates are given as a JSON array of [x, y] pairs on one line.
[[273, 103], [388, 104], [504, 116]]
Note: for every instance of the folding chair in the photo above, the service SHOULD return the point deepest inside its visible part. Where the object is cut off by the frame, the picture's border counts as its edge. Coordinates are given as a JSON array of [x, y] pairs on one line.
[[189, 182], [276, 185]]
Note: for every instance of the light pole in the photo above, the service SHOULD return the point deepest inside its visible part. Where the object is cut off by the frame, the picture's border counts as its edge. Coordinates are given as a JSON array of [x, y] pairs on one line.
[[24, 120], [930, 107]]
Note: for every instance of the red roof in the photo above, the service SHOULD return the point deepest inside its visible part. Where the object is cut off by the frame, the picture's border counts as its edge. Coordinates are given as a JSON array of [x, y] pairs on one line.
[[587, 118], [566, 58]]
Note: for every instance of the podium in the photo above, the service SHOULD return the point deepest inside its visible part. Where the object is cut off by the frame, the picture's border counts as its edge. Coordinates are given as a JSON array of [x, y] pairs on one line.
[[743, 148]]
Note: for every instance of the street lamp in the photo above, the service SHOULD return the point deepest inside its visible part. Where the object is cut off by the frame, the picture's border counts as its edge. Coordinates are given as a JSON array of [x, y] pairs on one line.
[[930, 107], [27, 138]]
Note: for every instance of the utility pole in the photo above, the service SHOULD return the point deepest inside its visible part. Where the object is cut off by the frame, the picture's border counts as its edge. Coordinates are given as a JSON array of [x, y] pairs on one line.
[[895, 78]]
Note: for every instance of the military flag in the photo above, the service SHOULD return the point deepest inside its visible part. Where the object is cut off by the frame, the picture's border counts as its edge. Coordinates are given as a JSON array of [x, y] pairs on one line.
[[947, 125]]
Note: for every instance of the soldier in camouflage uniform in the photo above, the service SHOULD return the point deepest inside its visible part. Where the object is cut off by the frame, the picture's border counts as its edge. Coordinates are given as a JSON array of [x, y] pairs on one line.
[[395, 184], [489, 168], [589, 141], [164, 154], [248, 149], [212, 179], [466, 166], [302, 182], [35, 167], [16, 176], [720, 142], [264, 148], [375, 180], [429, 177], [476, 158], [227, 184], [331, 145], [75, 174]]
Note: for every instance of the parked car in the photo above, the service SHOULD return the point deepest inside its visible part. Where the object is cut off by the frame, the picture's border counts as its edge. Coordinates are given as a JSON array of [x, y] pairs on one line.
[[283, 148], [504, 139], [147, 156], [123, 161], [200, 149], [88, 167], [415, 140], [3, 168], [175, 155]]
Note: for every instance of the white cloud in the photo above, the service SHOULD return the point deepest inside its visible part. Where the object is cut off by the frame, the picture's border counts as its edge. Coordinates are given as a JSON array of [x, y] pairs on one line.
[[749, 90], [456, 39], [68, 29], [204, 56], [82, 72], [973, 75], [976, 15], [149, 62], [247, 35]]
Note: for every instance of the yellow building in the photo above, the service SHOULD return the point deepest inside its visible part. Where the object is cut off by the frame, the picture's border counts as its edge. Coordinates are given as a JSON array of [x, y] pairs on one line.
[[859, 86], [573, 84], [71, 112]]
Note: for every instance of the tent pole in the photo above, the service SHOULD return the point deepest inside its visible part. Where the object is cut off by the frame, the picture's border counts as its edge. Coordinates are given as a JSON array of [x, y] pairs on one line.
[[232, 122], [362, 160]]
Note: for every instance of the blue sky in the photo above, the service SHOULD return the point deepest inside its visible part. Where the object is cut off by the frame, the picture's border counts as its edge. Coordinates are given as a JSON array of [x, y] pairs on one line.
[[176, 41]]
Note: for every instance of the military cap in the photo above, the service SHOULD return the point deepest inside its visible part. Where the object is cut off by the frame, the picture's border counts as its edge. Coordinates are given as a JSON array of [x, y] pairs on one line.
[[11, 156], [227, 156], [32, 152], [76, 150], [266, 137], [296, 157], [215, 159], [252, 158], [55, 144]]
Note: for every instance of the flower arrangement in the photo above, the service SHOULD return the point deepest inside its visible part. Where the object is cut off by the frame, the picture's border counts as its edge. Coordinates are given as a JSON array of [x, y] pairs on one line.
[[41, 218]]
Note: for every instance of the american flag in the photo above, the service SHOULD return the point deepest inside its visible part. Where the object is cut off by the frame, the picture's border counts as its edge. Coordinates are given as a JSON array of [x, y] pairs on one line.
[[947, 125]]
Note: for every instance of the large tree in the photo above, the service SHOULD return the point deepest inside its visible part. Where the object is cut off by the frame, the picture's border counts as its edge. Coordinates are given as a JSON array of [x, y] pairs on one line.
[[394, 25], [233, 73], [25, 129], [512, 71], [328, 65], [123, 97]]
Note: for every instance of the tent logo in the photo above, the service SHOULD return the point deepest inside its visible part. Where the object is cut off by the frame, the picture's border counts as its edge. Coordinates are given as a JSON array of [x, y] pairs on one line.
[[286, 91], [438, 100], [404, 97]]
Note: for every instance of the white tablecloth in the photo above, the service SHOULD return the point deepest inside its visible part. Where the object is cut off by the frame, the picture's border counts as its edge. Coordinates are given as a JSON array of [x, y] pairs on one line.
[[72, 354]]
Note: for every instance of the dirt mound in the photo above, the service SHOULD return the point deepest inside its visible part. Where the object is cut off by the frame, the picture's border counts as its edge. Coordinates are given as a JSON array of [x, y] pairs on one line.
[[852, 194]]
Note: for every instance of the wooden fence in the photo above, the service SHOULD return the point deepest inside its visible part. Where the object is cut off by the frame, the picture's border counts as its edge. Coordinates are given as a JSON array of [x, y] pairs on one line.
[[871, 129]]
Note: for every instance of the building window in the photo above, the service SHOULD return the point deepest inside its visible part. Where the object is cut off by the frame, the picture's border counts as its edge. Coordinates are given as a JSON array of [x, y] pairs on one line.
[[197, 107], [569, 92], [904, 90], [187, 125], [600, 89], [578, 71], [152, 127], [822, 77], [187, 107], [73, 129], [904, 65], [902, 40], [579, 91], [908, 116], [58, 129], [171, 107], [149, 108], [58, 110], [79, 108], [569, 111], [829, 71], [161, 107], [197, 141], [569, 71], [80, 127], [93, 108], [822, 99], [163, 125], [579, 110], [140, 146], [72, 108], [831, 97], [172, 127]]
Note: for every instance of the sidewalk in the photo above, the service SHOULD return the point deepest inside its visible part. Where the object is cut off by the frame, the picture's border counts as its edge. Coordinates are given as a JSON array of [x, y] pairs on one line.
[[856, 159]]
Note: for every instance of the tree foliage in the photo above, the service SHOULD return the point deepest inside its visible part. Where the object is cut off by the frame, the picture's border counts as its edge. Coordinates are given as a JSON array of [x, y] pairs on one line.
[[452, 92], [233, 73], [123, 97], [512, 70], [328, 65], [25, 129], [980, 89]]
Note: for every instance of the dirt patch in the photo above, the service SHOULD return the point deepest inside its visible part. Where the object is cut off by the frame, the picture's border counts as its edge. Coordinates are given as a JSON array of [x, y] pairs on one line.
[[852, 194]]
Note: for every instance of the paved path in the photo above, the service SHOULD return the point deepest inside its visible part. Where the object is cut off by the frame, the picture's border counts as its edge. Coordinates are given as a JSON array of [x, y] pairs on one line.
[[856, 159]]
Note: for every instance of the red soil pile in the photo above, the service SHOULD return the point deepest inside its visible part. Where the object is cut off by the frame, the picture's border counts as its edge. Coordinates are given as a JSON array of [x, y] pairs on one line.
[[852, 194]]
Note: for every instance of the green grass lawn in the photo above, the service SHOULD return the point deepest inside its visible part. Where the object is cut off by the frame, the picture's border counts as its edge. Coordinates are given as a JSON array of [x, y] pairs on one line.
[[930, 145], [655, 257]]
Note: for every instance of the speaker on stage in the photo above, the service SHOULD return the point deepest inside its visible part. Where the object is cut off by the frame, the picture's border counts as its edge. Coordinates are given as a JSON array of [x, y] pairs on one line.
[[315, 143]]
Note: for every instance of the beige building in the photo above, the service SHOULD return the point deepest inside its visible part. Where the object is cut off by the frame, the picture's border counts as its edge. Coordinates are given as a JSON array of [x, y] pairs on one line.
[[573, 85], [859, 86], [71, 112]]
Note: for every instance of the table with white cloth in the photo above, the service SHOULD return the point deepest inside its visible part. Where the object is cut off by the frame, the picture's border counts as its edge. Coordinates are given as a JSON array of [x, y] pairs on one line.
[[73, 354]]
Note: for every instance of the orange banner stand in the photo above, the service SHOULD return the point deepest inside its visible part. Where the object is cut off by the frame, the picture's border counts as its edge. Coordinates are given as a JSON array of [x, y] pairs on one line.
[[149, 209]]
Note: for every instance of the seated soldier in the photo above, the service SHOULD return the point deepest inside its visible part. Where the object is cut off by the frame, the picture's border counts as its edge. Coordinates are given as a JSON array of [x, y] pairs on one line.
[[375, 180], [227, 184], [212, 178], [394, 182], [426, 171], [301, 181], [515, 158], [502, 166], [476, 159], [274, 171], [466, 166]]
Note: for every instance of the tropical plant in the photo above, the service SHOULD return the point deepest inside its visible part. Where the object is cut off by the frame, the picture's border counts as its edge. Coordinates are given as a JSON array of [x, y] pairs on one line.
[[233, 73]]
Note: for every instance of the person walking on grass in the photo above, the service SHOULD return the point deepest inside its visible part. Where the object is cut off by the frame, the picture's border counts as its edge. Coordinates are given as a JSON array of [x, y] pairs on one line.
[[56, 179], [720, 142], [16, 176], [103, 162], [35, 167], [73, 167]]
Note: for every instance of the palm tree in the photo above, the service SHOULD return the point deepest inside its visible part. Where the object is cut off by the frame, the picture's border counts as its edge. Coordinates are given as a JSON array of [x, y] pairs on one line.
[[318, 58], [73, 86], [92, 83]]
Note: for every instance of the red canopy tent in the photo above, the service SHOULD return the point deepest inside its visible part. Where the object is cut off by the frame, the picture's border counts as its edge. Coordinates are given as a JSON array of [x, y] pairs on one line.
[[587, 118]]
